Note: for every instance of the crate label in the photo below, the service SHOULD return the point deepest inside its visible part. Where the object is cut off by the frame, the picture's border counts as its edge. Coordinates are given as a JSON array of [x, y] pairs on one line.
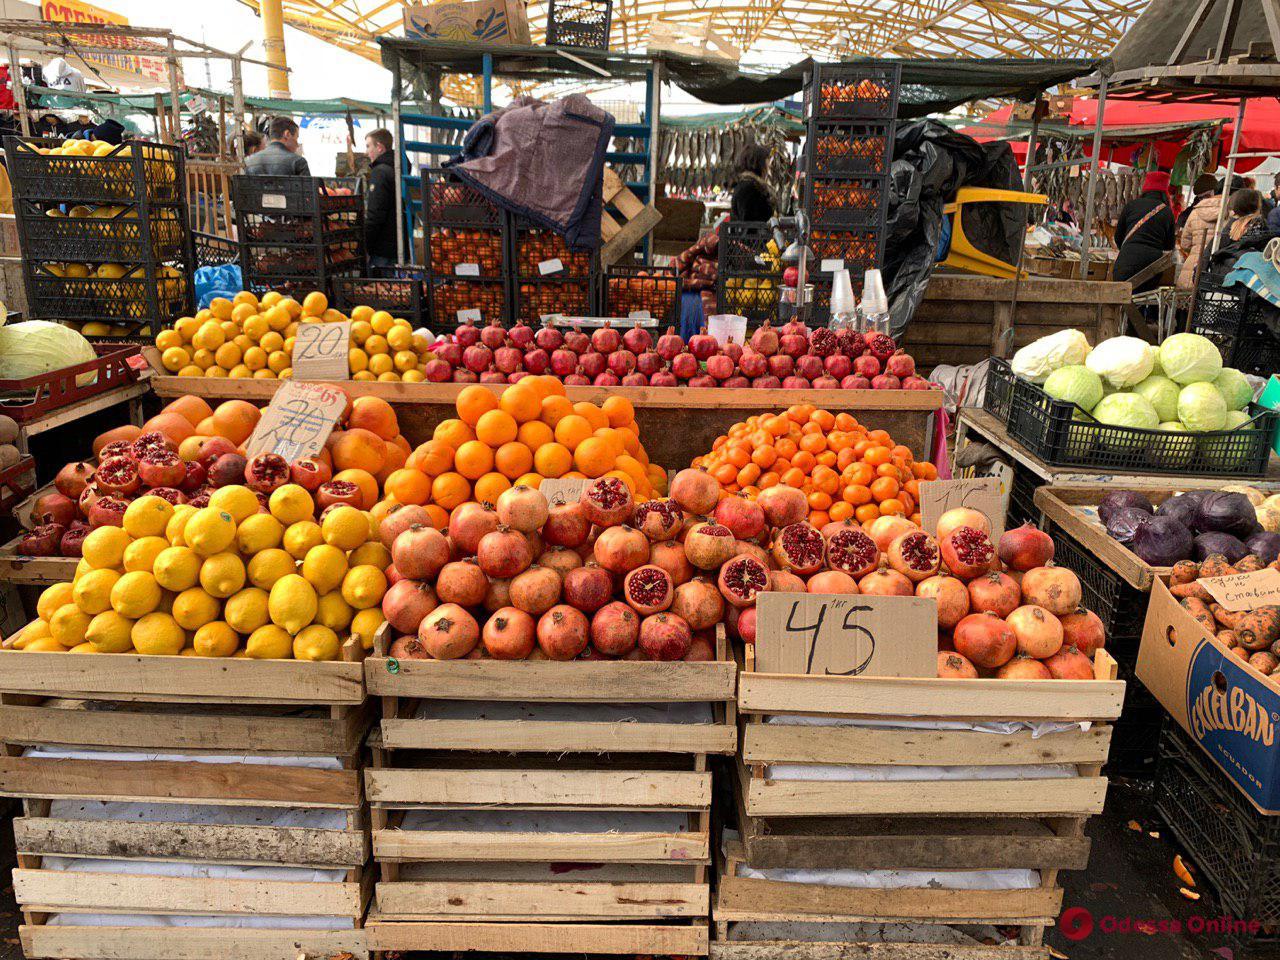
[[466, 269], [831, 266], [550, 266], [1245, 591], [472, 314], [639, 315], [838, 635], [726, 327], [561, 491], [298, 420], [275, 201], [977, 493], [321, 351]]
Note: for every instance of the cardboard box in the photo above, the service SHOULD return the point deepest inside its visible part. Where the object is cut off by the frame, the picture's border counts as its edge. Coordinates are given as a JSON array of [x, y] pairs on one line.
[[1230, 709], [9, 246], [13, 290], [469, 21]]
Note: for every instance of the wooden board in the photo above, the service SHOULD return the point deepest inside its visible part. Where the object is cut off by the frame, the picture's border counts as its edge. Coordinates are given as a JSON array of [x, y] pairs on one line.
[[558, 736], [187, 943], [15, 567], [843, 950], [444, 846], [550, 901], [514, 938]]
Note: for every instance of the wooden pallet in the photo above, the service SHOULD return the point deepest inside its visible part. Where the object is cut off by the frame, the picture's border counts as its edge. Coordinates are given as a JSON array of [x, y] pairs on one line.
[[174, 705], [639, 218], [470, 883]]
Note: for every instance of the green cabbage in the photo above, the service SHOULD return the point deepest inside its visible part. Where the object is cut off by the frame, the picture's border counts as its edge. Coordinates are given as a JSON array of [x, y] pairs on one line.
[[1163, 394], [1041, 357], [1122, 361], [1174, 454], [1190, 358], [33, 347], [1126, 410], [1201, 407], [1235, 419], [1075, 384], [1235, 388]]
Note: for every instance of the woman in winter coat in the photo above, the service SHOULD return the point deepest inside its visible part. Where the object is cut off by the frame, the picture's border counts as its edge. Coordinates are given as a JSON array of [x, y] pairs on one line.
[[1197, 238], [1145, 230], [1247, 224], [752, 197]]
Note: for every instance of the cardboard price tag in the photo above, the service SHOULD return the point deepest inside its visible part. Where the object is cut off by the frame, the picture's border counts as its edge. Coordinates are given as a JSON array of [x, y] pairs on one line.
[[976, 493], [550, 266], [1245, 591], [472, 314], [298, 420], [321, 351], [466, 270], [831, 266], [562, 491], [846, 636]]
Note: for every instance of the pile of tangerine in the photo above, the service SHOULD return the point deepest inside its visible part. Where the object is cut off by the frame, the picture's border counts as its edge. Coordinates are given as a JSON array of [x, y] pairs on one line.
[[846, 471]]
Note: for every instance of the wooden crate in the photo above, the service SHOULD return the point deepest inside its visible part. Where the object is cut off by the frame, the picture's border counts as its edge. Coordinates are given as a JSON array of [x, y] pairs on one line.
[[175, 708], [15, 567], [511, 798]]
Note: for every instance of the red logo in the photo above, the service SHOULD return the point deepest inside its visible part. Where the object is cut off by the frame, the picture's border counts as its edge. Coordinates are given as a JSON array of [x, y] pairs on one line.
[[1076, 923]]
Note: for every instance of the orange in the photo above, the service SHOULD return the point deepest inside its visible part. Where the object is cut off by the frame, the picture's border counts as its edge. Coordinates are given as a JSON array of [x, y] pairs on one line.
[[433, 457], [840, 511], [490, 487], [624, 477], [513, 459], [534, 434], [473, 459], [450, 489], [552, 460], [194, 409], [495, 427], [235, 420], [619, 410], [409, 486], [453, 432], [359, 449], [315, 304], [371, 413], [884, 488], [521, 402], [593, 414], [554, 409], [572, 430], [819, 518], [439, 518], [866, 513], [594, 456], [395, 459], [173, 425], [892, 506], [365, 481], [474, 401], [551, 386]]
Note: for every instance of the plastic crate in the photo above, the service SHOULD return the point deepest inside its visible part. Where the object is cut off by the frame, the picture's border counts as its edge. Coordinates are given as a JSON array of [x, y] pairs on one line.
[[466, 252], [141, 296], [403, 297], [1234, 318], [997, 398], [536, 248], [265, 228], [293, 196], [454, 300], [741, 250], [847, 91], [858, 251], [851, 203], [30, 398], [262, 259], [295, 285], [848, 147], [159, 234], [1121, 608], [628, 290], [1135, 734], [447, 202], [133, 171], [536, 300], [579, 23], [1051, 431], [212, 250], [1022, 494], [1233, 846]]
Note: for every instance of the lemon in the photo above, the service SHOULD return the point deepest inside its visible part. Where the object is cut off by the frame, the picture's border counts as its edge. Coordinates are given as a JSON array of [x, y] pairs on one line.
[[85, 647], [292, 603], [193, 608], [365, 624], [45, 645], [357, 360], [222, 574], [291, 504], [400, 338], [141, 554], [239, 501], [52, 598], [215, 639], [210, 336], [82, 567], [372, 553], [147, 516], [104, 547], [35, 630], [324, 567], [177, 523], [363, 587], [135, 595], [68, 624], [269, 566], [376, 346], [269, 643], [361, 331], [345, 527], [92, 592], [316, 643], [176, 568], [246, 611], [301, 537], [257, 533], [175, 358], [109, 632], [158, 634], [333, 612], [210, 531]]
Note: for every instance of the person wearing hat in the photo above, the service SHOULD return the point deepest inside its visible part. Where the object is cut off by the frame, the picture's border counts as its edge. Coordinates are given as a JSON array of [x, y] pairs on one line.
[[1144, 231]]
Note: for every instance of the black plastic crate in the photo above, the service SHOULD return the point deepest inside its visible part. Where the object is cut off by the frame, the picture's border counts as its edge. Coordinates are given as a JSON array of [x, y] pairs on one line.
[[627, 290], [847, 91], [847, 203], [745, 297], [1234, 318], [264, 259], [1022, 497], [297, 286], [140, 296], [579, 23], [536, 250], [119, 233], [1135, 734], [133, 171], [1232, 846], [294, 196], [268, 228], [743, 250], [404, 297], [997, 398], [454, 300], [477, 253], [848, 147], [448, 202], [536, 300], [856, 250], [212, 250]]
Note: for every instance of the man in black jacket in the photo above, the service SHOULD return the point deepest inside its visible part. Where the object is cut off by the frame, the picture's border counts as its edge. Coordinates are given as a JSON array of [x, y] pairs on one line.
[[381, 218]]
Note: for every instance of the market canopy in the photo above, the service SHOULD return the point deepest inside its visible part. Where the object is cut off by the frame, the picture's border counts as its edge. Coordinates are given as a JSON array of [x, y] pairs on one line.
[[146, 103]]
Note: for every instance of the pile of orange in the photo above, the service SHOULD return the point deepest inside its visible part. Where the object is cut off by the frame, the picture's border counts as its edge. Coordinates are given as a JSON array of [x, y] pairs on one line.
[[846, 471], [368, 448], [528, 433]]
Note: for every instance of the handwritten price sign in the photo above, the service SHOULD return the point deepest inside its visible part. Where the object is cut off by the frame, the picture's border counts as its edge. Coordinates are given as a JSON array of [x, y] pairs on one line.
[[1245, 591], [321, 351], [298, 420], [838, 635], [976, 493], [562, 491]]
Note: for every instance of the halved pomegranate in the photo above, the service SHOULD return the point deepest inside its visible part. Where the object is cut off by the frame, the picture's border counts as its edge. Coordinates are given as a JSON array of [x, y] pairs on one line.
[[607, 502], [117, 476], [799, 547], [339, 491], [266, 472], [161, 468]]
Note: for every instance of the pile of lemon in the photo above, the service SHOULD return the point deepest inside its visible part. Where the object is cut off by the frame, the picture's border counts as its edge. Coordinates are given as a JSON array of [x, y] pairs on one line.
[[248, 337], [226, 580]]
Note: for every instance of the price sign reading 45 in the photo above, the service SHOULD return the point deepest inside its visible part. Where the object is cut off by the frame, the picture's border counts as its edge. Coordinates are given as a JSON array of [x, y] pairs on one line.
[[321, 351], [842, 635]]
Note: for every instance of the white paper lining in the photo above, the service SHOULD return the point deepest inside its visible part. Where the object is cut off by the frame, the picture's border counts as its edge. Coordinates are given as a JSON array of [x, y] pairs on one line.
[[124, 756], [690, 713]]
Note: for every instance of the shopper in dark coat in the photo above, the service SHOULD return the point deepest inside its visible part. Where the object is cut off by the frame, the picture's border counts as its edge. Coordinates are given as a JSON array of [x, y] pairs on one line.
[[280, 157], [381, 218], [752, 198], [1145, 230]]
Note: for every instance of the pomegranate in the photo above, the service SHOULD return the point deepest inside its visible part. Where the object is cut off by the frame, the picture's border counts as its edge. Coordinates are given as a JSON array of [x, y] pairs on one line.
[[900, 365], [1069, 664], [548, 338], [663, 378], [477, 358], [561, 560], [833, 527], [163, 468], [916, 383], [886, 583], [996, 593], [832, 581], [635, 380], [866, 366], [1025, 548], [670, 344], [914, 555], [152, 442], [720, 367], [752, 549], [309, 473], [852, 382], [593, 364], [809, 367], [881, 346], [567, 525], [888, 528], [1056, 589], [462, 582], [606, 339], [449, 632], [420, 552], [952, 666], [796, 383], [962, 517], [172, 494], [746, 625], [670, 556], [119, 448], [985, 639], [853, 552], [799, 548], [107, 511], [536, 590], [649, 363], [967, 552], [621, 549], [702, 345], [742, 579], [615, 628], [606, 501], [658, 519], [563, 632], [1023, 667], [117, 476], [637, 339], [765, 340], [1039, 632], [226, 470], [73, 478], [200, 498], [698, 603], [648, 589], [781, 366], [951, 596], [577, 341], [497, 596], [700, 651], [438, 370], [665, 636], [467, 334], [266, 472], [399, 519], [838, 366], [465, 376], [710, 545], [563, 362], [492, 376], [793, 345], [753, 364], [195, 477], [696, 491], [1084, 631], [336, 492], [588, 588], [54, 507], [408, 648], [42, 541], [522, 508], [503, 553], [537, 361], [73, 540], [622, 363], [406, 603], [742, 516], [784, 581]]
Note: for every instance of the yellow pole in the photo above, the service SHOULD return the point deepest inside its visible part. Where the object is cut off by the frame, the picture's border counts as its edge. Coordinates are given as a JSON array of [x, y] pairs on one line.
[[273, 41]]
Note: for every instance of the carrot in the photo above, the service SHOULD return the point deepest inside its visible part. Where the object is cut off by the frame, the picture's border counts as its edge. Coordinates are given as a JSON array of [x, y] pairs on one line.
[[1200, 610], [1228, 638], [1228, 618], [1216, 566], [1193, 589], [1184, 571], [1248, 564], [1260, 628]]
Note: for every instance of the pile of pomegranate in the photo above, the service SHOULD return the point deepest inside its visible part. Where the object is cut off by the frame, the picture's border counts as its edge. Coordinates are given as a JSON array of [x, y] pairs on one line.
[[791, 357]]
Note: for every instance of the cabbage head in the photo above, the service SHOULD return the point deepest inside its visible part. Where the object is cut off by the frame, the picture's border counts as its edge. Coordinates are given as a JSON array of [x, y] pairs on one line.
[[1041, 357], [1174, 454], [1235, 388], [1235, 419], [1122, 361], [1190, 358], [1163, 394], [1202, 407], [1126, 410], [1075, 384], [33, 347]]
